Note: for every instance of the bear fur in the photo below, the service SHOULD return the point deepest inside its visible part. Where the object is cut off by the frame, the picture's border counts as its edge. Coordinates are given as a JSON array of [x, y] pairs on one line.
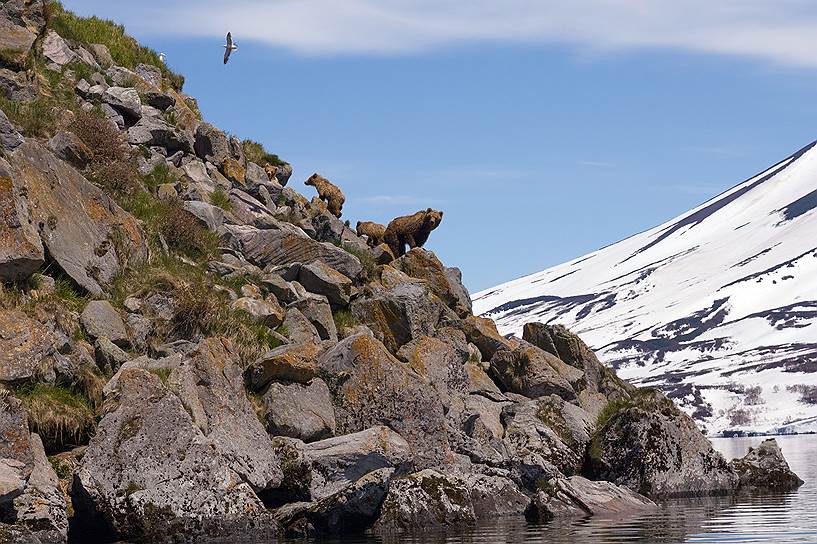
[[328, 192], [412, 230], [374, 232]]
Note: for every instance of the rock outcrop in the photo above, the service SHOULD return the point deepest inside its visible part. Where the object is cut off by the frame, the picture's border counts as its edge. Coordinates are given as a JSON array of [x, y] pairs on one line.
[[765, 468]]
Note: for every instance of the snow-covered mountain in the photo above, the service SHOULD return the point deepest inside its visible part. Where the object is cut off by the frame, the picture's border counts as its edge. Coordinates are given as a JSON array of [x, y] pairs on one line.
[[718, 307]]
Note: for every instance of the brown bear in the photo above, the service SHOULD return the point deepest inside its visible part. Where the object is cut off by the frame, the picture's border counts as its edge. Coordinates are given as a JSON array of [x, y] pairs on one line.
[[412, 230], [329, 192], [374, 232]]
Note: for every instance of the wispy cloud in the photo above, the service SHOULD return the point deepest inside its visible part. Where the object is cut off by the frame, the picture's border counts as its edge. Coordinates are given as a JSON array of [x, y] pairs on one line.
[[781, 31]]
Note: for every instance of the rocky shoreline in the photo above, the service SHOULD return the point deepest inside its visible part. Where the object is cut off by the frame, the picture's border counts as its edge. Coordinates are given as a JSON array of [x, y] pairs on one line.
[[189, 349]]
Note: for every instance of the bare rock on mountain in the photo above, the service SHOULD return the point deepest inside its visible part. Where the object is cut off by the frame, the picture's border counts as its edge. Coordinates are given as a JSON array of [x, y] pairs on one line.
[[444, 282], [292, 363], [532, 372], [24, 346], [16, 86], [152, 131], [56, 50], [150, 472], [764, 467], [10, 139], [21, 250], [652, 447], [78, 223], [299, 411], [67, 146], [212, 145], [101, 320], [580, 497], [41, 507], [320, 278], [124, 100]]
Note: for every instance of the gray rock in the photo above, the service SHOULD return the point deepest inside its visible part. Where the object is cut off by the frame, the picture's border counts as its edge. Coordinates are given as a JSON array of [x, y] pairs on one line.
[[10, 139], [211, 388], [113, 115], [652, 447], [340, 461], [15, 442], [15, 86], [41, 507], [16, 40], [161, 366], [12, 480], [284, 244], [86, 57], [211, 145], [67, 146], [291, 363], [125, 100], [319, 278], [282, 289], [317, 310], [764, 467], [101, 54], [121, 76], [150, 131], [109, 356], [150, 73], [21, 251], [439, 362], [208, 215], [77, 221], [444, 282], [374, 388], [96, 91], [267, 312], [532, 372], [196, 172], [299, 329], [140, 329], [148, 458], [100, 319], [24, 344], [430, 498], [159, 100], [56, 50], [579, 497], [299, 411]]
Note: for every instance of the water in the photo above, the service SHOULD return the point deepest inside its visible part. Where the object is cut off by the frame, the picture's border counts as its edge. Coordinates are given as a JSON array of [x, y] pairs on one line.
[[778, 518]]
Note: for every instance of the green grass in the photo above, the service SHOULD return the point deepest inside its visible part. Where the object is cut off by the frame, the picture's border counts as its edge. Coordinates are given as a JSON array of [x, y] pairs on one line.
[[221, 199], [345, 319], [124, 49], [35, 118], [162, 373], [366, 260], [160, 175], [255, 152], [61, 415]]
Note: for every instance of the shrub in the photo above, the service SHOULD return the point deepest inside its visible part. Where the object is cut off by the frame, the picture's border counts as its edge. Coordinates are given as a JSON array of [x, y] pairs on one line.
[[183, 232], [255, 152], [125, 50], [221, 199], [103, 139], [160, 175], [59, 414]]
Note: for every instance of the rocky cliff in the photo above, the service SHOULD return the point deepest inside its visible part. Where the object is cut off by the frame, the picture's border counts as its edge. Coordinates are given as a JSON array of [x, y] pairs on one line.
[[189, 349]]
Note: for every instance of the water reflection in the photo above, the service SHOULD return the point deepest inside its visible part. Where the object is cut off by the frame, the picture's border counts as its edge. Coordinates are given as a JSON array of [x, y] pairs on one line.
[[779, 518]]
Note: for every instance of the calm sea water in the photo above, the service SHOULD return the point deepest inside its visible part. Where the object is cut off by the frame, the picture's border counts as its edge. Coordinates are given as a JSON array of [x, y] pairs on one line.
[[779, 518]]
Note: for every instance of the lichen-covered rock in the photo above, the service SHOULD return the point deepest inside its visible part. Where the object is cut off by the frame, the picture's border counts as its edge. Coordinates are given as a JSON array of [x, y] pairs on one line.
[[20, 24], [340, 461], [234, 171], [100, 319], [430, 498], [532, 372], [24, 346], [444, 282], [21, 250], [77, 221], [41, 507], [150, 473], [211, 388], [10, 139], [299, 411], [15, 447], [764, 467], [482, 332], [652, 447], [580, 497], [152, 131], [441, 362], [371, 387], [317, 277], [292, 363], [212, 145], [284, 244], [267, 312], [124, 100], [67, 146], [317, 310], [299, 329]]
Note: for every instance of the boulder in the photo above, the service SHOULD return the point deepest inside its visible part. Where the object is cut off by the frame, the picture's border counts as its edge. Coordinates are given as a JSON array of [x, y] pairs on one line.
[[113, 115], [16, 453], [482, 332], [284, 244], [319, 278], [67, 146], [764, 467], [21, 251], [77, 221], [56, 50], [100, 319], [299, 329], [16, 40], [211, 217], [150, 131], [292, 363], [371, 387], [532, 372], [15, 86], [650, 446], [150, 73], [211, 145], [41, 507], [580, 497], [234, 171], [299, 411], [340, 461], [163, 366], [317, 310], [124, 100], [267, 312], [444, 282], [10, 139], [121, 76], [440, 362], [159, 100], [150, 472], [283, 290], [24, 345], [109, 356], [430, 498], [102, 54]]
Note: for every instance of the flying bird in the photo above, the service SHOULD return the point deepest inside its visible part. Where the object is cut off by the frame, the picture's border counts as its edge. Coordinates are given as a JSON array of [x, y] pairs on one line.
[[229, 47]]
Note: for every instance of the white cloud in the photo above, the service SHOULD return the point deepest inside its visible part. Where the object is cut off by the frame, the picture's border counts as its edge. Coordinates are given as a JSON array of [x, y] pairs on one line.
[[781, 31]]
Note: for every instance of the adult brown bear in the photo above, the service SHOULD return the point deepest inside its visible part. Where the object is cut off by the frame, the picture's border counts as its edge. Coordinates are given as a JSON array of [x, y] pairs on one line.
[[412, 230]]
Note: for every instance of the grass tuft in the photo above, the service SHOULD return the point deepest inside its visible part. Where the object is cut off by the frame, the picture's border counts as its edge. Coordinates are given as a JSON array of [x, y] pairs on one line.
[[255, 152], [62, 417], [221, 199]]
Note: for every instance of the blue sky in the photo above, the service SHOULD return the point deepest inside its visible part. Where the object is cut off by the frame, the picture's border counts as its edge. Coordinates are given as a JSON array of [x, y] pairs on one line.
[[544, 131]]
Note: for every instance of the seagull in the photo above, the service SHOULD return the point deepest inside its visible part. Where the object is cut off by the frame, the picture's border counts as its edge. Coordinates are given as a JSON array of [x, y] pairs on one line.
[[162, 57], [229, 48]]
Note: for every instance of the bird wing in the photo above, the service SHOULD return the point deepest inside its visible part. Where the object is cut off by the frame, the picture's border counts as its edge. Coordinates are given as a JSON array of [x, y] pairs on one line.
[[227, 52], [229, 40]]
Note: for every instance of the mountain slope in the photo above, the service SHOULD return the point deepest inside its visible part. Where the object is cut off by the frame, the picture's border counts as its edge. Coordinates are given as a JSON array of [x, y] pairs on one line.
[[718, 306]]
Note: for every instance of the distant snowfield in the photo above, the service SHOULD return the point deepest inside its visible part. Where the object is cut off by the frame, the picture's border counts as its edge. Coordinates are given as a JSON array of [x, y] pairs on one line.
[[717, 307]]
